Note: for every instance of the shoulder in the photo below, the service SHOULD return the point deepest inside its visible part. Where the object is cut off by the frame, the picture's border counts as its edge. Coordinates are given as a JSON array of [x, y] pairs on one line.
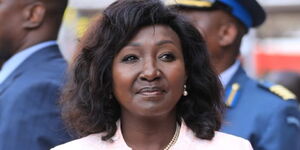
[[46, 61], [261, 96], [221, 141], [263, 92], [252, 87], [52, 71], [91, 142], [268, 89], [37, 90], [273, 94], [280, 91], [228, 141]]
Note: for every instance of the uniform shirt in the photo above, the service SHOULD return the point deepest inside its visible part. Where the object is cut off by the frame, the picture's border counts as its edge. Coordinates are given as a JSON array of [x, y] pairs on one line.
[[226, 75], [186, 140], [10, 65]]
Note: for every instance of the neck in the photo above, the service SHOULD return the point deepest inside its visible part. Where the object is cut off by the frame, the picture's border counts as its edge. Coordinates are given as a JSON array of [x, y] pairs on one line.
[[31, 43], [148, 133], [1, 64], [221, 66], [223, 61]]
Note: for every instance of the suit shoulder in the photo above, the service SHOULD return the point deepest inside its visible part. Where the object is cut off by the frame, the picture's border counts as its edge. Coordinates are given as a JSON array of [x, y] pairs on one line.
[[48, 59], [53, 69]]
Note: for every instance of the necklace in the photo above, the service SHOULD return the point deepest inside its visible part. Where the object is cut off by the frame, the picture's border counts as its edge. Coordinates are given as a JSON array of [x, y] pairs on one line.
[[174, 138]]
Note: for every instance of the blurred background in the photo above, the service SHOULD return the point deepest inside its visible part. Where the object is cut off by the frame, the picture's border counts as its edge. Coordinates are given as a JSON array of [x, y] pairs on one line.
[[275, 46]]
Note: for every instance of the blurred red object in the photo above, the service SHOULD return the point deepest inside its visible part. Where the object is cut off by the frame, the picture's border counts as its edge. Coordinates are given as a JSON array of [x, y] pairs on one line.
[[266, 62]]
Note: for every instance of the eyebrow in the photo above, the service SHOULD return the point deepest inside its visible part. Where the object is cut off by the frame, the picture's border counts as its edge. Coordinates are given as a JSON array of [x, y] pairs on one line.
[[134, 44], [165, 42]]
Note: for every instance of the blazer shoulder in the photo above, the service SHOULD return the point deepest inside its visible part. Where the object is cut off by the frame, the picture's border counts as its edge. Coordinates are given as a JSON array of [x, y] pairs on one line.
[[230, 142], [91, 142]]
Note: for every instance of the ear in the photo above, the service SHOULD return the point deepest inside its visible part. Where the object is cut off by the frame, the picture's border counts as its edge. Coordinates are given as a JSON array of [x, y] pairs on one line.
[[227, 34], [34, 15]]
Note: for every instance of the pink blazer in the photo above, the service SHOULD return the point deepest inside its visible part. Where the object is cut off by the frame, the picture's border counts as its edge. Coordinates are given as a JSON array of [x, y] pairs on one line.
[[185, 141]]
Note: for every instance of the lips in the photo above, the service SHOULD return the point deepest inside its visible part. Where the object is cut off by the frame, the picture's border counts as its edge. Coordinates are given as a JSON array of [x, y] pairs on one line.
[[151, 91]]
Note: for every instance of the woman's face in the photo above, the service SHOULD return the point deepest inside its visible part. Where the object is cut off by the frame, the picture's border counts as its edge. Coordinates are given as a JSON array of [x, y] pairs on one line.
[[149, 73]]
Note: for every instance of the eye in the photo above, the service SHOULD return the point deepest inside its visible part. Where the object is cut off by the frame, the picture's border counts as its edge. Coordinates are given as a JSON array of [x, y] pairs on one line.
[[130, 58], [167, 57]]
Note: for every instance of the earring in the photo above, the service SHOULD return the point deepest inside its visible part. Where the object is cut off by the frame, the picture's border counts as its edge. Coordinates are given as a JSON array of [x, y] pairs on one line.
[[185, 93]]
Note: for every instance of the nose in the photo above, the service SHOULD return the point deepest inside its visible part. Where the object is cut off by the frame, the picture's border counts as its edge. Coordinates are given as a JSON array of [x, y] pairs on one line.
[[150, 72]]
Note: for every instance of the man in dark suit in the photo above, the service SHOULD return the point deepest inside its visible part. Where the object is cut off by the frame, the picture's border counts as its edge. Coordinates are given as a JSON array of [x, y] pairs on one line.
[[265, 114], [32, 74]]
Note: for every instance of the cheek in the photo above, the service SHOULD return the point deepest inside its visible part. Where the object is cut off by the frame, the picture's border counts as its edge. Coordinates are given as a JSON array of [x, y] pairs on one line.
[[123, 78], [176, 77]]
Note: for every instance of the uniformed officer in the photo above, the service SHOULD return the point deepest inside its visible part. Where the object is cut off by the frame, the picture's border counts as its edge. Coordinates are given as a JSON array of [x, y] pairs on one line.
[[265, 114]]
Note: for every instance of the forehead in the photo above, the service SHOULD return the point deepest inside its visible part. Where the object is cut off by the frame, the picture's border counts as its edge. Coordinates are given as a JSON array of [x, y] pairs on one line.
[[200, 15], [156, 32], [7, 6], [14, 3], [205, 19]]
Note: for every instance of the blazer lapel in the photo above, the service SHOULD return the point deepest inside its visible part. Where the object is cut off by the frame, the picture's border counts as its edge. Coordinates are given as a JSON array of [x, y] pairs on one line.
[[16, 74]]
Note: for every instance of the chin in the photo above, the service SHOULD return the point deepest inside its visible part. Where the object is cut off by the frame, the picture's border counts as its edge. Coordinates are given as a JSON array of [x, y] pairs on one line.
[[154, 112]]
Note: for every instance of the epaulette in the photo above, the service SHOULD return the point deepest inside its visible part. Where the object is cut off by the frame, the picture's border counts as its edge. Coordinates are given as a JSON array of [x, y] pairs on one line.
[[278, 90]]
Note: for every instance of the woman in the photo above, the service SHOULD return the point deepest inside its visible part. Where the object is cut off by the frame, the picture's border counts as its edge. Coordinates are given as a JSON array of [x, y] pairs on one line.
[[143, 81]]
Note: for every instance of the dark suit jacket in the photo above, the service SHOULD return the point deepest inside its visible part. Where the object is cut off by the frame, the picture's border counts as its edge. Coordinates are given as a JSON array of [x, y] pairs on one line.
[[261, 116], [29, 112]]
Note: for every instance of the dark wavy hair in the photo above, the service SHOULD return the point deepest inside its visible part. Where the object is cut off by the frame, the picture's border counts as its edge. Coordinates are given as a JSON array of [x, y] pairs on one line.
[[87, 104]]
